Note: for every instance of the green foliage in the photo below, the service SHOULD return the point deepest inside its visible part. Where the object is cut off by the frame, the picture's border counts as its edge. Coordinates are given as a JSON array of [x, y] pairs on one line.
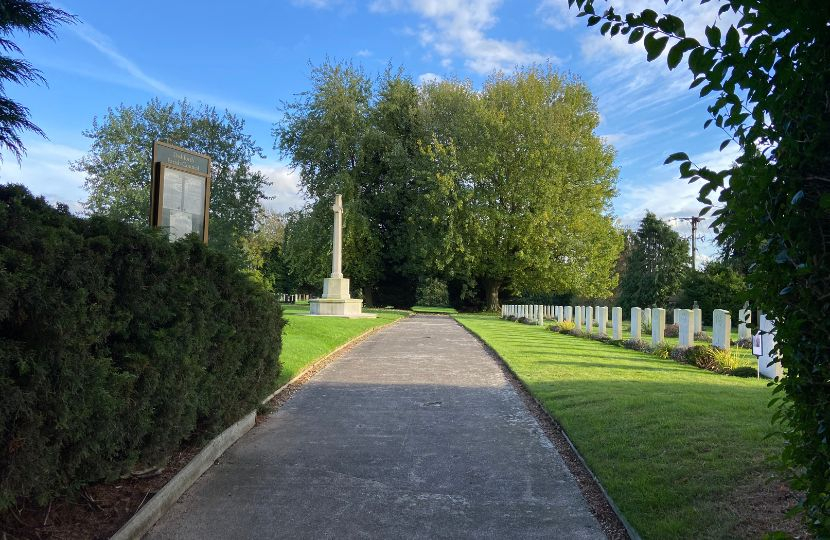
[[768, 76], [505, 180], [435, 185], [661, 350], [117, 345], [717, 286], [32, 18], [118, 166], [433, 292], [263, 252], [701, 356], [566, 326], [656, 265], [726, 360]]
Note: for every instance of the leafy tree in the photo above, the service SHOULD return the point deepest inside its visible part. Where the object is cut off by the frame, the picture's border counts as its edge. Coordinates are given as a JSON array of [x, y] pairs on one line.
[[263, 251], [717, 286], [348, 136], [32, 18], [656, 266], [768, 74], [118, 166], [524, 183]]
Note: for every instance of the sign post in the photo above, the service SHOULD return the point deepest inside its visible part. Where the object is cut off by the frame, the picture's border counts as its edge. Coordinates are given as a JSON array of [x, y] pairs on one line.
[[180, 191]]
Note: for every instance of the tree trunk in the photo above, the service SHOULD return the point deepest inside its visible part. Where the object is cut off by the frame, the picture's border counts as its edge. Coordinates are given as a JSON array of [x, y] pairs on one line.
[[367, 297], [491, 290]]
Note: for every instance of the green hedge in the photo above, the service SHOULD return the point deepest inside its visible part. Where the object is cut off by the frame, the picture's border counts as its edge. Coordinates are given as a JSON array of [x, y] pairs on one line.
[[116, 346]]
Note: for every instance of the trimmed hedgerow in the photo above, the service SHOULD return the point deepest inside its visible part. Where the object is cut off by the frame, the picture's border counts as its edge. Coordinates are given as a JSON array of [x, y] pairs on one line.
[[117, 346]]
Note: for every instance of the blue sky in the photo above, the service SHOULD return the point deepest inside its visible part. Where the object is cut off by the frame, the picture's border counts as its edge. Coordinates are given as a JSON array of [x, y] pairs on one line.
[[250, 56]]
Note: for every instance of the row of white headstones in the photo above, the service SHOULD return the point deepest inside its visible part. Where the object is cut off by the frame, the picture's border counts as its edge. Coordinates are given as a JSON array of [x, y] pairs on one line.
[[689, 322]]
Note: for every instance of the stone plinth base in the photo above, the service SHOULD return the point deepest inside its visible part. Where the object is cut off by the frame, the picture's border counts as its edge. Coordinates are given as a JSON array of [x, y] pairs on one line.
[[339, 307], [336, 289]]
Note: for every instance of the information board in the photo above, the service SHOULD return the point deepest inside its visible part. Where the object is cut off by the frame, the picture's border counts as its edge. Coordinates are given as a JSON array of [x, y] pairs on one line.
[[180, 191]]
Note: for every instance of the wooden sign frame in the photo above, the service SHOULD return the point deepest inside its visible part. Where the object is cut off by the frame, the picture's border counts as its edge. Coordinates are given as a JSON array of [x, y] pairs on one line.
[[168, 158]]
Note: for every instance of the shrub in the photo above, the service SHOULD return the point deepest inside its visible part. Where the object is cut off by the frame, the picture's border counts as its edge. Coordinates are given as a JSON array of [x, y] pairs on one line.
[[525, 320], [701, 356], [678, 354], [661, 350], [117, 346], [636, 345], [566, 326], [744, 371], [576, 332], [512, 318], [672, 330], [646, 327], [702, 336], [726, 361], [604, 338], [744, 343]]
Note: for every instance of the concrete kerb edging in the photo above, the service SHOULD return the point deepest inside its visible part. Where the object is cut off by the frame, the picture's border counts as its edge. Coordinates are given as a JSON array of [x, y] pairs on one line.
[[147, 516], [632, 532]]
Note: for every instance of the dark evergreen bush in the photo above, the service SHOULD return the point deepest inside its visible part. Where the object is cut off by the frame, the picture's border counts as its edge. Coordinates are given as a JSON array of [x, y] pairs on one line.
[[116, 346]]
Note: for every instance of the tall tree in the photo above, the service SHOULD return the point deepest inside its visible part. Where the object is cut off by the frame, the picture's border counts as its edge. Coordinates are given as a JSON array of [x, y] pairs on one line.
[[769, 74], [33, 18], [118, 165], [656, 266], [526, 184], [352, 136], [716, 286]]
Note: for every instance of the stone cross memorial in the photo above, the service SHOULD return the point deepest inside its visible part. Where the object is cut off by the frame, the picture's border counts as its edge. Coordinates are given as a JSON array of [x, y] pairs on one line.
[[336, 300]]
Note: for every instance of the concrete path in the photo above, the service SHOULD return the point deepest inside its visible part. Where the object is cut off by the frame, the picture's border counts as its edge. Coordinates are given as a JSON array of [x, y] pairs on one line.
[[414, 433]]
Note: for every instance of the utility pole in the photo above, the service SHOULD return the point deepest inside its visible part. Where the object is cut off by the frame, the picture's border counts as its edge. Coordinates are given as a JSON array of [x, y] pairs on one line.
[[694, 220]]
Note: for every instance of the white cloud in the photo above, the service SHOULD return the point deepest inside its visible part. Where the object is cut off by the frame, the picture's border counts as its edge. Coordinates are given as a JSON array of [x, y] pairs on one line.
[[103, 44], [428, 78], [557, 14], [284, 189], [458, 28], [45, 171], [633, 82], [364, 53]]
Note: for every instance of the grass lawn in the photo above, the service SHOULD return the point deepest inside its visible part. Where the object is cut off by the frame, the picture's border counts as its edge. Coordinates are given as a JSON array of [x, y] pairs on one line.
[[306, 339], [433, 309], [679, 449]]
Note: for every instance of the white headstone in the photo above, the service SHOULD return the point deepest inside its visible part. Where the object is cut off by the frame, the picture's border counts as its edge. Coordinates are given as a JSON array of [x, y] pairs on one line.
[[540, 320], [569, 313], [616, 323], [602, 320], [658, 325], [687, 327], [721, 329], [768, 364], [589, 320], [578, 312], [698, 319], [636, 323], [675, 318], [647, 315]]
